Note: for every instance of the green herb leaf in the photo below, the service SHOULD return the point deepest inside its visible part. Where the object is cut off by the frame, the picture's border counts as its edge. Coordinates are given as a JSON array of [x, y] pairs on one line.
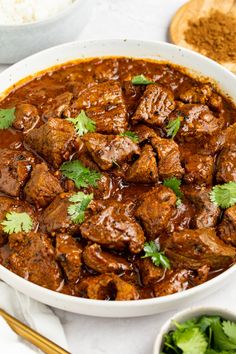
[[7, 117], [17, 222], [205, 322], [174, 184], [141, 80], [83, 124], [158, 258], [230, 330], [132, 135], [224, 195], [77, 210], [221, 340], [81, 175], [173, 127], [191, 341]]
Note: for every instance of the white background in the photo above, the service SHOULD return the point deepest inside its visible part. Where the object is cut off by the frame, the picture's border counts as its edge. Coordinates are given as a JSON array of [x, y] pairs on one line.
[[136, 19]]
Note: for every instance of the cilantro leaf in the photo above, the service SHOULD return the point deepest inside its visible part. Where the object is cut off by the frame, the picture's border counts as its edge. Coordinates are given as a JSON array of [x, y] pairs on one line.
[[212, 351], [81, 175], [7, 117], [221, 340], [77, 210], [224, 195], [83, 124], [230, 330], [174, 184], [132, 135], [17, 222], [191, 341], [173, 127], [205, 322], [158, 258], [141, 80]]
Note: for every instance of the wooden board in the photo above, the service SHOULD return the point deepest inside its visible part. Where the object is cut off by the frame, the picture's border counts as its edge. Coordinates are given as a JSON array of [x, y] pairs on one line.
[[195, 9]]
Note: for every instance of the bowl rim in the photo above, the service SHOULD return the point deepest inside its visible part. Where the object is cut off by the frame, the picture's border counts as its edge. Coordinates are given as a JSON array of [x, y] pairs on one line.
[[28, 25], [170, 299], [187, 314]]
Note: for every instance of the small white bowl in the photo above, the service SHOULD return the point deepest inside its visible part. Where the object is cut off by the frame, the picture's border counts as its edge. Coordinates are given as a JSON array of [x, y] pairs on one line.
[[20, 41], [187, 315]]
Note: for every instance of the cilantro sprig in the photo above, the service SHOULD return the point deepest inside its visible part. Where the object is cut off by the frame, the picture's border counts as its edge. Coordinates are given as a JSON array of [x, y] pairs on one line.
[[81, 175], [83, 124], [224, 195], [132, 135], [174, 184], [204, 335], [158, 258], [7, 117], [141, 80], [17, 222], [173, 126], [80, 202]]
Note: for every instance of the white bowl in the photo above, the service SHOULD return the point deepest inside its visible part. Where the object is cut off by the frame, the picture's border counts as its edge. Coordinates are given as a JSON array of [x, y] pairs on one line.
[[187, 315], [20, 41], [139, 49]]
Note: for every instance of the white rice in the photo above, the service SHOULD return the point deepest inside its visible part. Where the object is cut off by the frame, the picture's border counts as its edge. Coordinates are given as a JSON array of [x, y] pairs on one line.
[[13, 12]]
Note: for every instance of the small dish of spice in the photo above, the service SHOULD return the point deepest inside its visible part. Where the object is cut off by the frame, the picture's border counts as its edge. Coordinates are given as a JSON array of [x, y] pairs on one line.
[[204, 27]]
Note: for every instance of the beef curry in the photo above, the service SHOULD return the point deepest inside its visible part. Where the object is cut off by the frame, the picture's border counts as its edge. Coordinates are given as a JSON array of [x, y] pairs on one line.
[[117, 180]]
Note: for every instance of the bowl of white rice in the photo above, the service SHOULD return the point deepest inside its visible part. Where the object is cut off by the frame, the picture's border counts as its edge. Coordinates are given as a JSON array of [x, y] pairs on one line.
[[28, 26]]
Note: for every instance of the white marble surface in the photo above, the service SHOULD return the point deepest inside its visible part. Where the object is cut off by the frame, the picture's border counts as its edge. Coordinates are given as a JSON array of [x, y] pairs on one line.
[[139, 19]]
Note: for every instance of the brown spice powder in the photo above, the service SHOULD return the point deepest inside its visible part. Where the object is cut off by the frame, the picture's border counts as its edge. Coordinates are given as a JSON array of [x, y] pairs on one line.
[[214, 36]]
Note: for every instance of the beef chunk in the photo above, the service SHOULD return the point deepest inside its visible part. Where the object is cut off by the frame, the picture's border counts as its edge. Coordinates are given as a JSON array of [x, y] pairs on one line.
[[27, 117], [132, 94], [194, 248], [54, 140], [199, 169], [59, 106], [198, 122], [69, 254], [226, 165], [15, 166], [202, 94], [33, 258], [150, 274], [169, 157], [42, 187], [207, 213], [227, 228], [144, 170], [144, 133], [155, 105], [155, 209], [174, 282], [108, 150], [55, 218], [103, 102], [107, 287], [113, 228], [103, 262]]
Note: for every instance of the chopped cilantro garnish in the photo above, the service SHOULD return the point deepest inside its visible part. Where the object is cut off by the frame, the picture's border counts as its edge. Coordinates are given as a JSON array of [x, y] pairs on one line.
[[80, 202], [83, 124], [81, 175], [173, 127], [224, 195], [17, 222], [7, 117], [152, 250], [132, 135], [174, 184], [141, 80]]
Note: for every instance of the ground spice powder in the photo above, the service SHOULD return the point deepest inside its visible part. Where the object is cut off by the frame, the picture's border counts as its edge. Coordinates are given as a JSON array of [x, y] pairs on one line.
[[214, 36]]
